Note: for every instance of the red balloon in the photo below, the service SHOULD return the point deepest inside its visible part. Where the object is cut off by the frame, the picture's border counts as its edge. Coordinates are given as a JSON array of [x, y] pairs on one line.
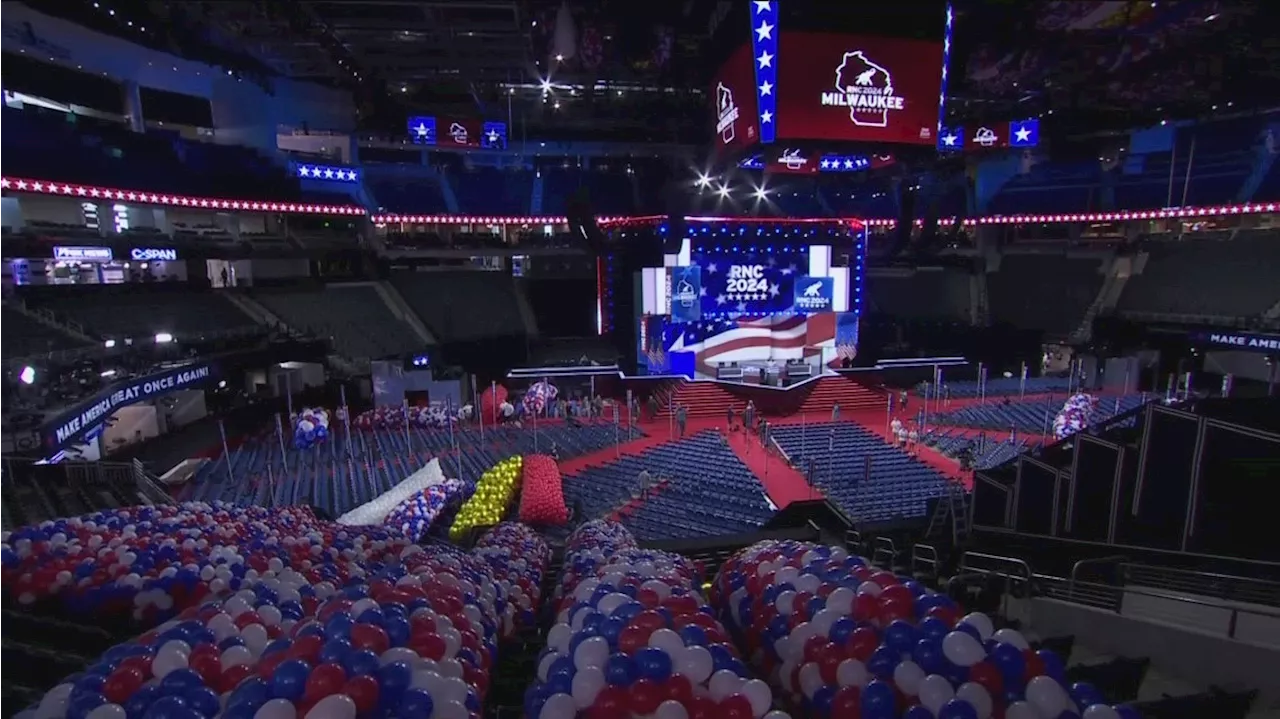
[[894, 608], [985, 674], [370, 636], [847, 703], [735, 706], [632, 639], [866, 607], [363, 690], [325, 679], [862, 643], [207, 666], [814, 647], [122, 683], [703, 708], [944, 614], [307, 648], [610, 703], [650, 620], [829, 661], [430, 646], [644, 696], [1035, 665], [232, 677], [680, 689], [267, 665], [896, 591]]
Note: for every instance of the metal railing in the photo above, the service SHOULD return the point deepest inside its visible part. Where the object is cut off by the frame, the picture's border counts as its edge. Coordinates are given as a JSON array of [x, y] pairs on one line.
[[1204, 584]]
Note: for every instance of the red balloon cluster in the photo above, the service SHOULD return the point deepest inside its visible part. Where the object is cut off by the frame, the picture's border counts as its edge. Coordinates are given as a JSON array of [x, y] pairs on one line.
[[542, 500], [490, 401]]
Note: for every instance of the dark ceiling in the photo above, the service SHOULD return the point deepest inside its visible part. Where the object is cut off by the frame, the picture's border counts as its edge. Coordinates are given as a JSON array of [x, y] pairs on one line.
[[638, 69]]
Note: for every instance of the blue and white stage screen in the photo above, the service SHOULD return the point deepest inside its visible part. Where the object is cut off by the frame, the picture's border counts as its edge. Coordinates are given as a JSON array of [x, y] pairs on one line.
[[814, 294], [753, 282], [686, 293]]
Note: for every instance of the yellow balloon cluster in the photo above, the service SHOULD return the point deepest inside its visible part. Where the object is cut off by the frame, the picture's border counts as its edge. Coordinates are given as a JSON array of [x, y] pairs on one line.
[[494, 493]]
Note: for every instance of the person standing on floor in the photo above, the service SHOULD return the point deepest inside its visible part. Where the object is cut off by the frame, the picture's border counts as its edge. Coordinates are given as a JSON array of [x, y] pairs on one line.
[[912, 437], [644, 480], [835, 412], [682, 418], [653, 408], [749, 415], [902, 398], [730, 418]]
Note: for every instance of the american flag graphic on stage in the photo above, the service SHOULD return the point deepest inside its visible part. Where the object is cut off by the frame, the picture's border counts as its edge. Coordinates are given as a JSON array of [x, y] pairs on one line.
[[846, 335], [777, 337]]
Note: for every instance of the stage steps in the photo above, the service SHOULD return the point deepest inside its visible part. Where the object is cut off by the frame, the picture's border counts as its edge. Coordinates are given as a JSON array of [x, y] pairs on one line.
[[704, 399], [851, 396], [713, 399]]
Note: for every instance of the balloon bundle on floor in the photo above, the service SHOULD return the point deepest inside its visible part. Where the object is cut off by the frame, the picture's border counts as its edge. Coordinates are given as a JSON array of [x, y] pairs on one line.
[[542, 492], [1074, 416], [491, 500], [152, 562], [538, 395], [366, 625], [842, 639], [635, 637], [310, 427], [415, 516], [518, 557], [434, 417]]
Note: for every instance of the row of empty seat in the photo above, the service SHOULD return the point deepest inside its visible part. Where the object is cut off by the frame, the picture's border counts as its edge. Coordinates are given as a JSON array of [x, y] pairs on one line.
[[1233, 277], [463, 306], [1030, 416], [117, 312], [354, 317], [837, 457]]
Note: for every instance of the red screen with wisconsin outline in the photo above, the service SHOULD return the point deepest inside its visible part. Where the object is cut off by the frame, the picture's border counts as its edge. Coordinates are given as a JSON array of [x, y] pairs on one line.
[[856, 88], [733, 102]]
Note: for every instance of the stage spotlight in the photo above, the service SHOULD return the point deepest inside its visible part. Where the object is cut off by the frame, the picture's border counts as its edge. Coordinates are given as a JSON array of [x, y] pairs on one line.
[[704, 181], [546, 84], [723, 191], [28, 375], [761, 193]]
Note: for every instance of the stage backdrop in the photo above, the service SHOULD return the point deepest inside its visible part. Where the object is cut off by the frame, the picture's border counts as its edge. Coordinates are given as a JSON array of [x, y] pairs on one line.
[[697, 348]]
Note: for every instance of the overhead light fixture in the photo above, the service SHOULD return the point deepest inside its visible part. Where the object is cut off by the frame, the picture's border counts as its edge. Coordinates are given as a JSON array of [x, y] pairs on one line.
[[723, 191], [703, 181], [761, 193]]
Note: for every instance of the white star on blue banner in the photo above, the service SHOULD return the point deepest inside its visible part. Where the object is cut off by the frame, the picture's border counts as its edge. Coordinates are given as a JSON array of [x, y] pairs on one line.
[[1024, 133], [764, 51]]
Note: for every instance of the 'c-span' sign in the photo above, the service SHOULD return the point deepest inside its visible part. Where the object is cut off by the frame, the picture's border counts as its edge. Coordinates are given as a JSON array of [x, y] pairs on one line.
[[72, 426]]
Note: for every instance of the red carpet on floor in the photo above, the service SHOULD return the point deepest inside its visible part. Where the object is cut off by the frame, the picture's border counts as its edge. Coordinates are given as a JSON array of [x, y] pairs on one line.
[[784, 484]]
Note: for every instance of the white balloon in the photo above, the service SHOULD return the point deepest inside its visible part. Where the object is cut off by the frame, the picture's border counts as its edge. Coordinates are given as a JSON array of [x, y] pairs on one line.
[[558, 706], [231, 656], [724, 682], [695, 663], [255, 638], [587, 683], [671, 709], [667, 640], [852, 673], [962, 649], [1097, 711], [981, 622], [558, 638], [935, 691], [870, 587], [454, 710], [171, 657], [276, 709], [810, 679], [107, 711], [1047, 695], [907, 677], [334, 706], [592, 652], [840, 601], [760, 696], [1012, 637], [1021, 710], [978, 697]]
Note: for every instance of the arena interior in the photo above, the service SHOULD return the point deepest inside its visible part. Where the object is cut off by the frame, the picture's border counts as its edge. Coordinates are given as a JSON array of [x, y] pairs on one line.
[[733, 360]]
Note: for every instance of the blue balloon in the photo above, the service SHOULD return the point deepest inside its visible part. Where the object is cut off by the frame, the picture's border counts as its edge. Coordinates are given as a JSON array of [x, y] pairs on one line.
[[928, 655], [878, 700], [1009, 660], [360, 662], [1053, 666], [290, 679], [253, 692], [822, 700], [900, 636], [170, 707], [620, 670], [335, 651], [80, 704], [202, 699], [841, 629], [932, 628], [882, 662], [1086, 695], [1127, 712], [418, 703], [957, 709], [653, 663], [918, 712], [393, 679]]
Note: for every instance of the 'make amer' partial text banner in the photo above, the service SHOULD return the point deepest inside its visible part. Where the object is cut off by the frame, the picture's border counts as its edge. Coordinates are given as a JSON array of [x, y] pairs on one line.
[[72, 426]]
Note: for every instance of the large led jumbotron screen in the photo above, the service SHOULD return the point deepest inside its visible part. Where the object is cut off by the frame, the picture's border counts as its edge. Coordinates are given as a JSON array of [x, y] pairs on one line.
[[834, 87], [854, 88]]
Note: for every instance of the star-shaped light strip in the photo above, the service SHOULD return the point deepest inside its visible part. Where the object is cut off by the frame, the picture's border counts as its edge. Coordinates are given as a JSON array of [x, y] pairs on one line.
[[1172, 213], [764, 51], [324, 172], [843, 163], [91, 192]]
